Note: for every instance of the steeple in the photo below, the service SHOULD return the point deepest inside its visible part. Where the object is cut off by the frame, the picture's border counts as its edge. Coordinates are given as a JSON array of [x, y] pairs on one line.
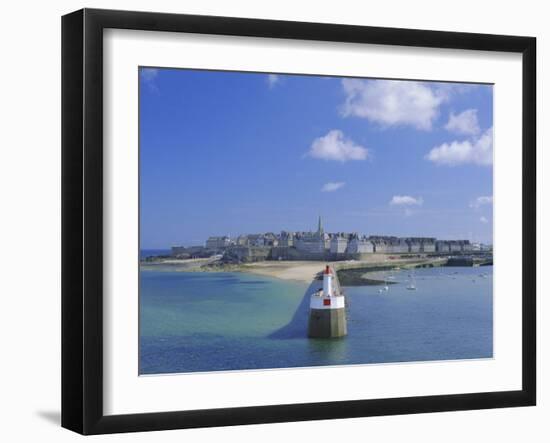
[[320, 230]]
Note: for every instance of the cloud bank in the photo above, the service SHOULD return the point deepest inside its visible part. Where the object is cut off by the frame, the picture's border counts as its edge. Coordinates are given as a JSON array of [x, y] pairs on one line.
[[478, 151], [464, 123], [392, 102]]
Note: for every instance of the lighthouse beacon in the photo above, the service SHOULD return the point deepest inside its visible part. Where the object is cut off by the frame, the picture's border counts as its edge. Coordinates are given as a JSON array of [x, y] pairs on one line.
[[327, 313]]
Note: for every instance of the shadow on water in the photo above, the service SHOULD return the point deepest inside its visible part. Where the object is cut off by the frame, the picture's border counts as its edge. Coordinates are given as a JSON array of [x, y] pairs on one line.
[[297, 327]]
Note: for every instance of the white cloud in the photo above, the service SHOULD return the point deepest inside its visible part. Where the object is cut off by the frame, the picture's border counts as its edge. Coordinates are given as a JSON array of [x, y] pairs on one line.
[[393, 102], [483, 219], [149, 75], [480, 201], [406, 200], [272, 80], [450, 88], [332, 186], [464, 123], [335, 146], [478, 151]]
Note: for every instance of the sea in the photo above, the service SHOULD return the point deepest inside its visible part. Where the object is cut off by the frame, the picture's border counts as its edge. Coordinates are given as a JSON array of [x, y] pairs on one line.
[[221, 321]]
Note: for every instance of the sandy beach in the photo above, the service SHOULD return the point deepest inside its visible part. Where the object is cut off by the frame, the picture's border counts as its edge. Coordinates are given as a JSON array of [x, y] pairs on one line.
[[302, 271], [305, 271]]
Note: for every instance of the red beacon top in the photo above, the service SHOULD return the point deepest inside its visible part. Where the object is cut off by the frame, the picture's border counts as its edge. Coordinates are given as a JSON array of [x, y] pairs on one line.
[[327, 270]]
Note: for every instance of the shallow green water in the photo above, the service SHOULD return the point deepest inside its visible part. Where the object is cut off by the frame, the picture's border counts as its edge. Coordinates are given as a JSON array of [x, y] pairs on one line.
[[232, 321]]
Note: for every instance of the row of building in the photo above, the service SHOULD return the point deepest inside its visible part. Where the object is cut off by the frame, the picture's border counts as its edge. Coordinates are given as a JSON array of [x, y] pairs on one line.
[[322, 245]]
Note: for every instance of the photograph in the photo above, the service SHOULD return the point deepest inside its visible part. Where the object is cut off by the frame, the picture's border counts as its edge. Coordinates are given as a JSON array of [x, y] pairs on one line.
[[299, 221]]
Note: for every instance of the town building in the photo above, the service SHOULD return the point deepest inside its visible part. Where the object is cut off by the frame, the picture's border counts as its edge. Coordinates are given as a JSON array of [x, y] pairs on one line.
[[427, 245], [256, 240], [320, 245], [338, 244], [360, 245], [270, 239], [286, 239], [313, 243], [453, 246], [217, 243], [242, 240]]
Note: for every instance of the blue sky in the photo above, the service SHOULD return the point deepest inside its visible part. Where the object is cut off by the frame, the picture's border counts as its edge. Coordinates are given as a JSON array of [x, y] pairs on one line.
[[224, 153]]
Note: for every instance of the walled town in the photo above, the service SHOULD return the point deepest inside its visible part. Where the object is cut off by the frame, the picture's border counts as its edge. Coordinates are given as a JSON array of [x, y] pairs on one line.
[[320, 245]]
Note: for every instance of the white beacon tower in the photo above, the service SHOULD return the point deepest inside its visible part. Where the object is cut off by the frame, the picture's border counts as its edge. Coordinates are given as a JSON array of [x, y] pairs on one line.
[[327, 282], [327, 309]]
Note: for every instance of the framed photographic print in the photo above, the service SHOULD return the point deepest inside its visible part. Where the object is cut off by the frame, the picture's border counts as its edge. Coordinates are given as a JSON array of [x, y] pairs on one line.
[[269, 221]]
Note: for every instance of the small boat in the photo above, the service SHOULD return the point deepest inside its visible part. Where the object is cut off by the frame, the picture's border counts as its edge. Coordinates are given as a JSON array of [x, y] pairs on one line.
[[412, 285]]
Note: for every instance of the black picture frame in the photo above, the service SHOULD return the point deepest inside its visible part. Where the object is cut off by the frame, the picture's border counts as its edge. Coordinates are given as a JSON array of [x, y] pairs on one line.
[[82, 218]]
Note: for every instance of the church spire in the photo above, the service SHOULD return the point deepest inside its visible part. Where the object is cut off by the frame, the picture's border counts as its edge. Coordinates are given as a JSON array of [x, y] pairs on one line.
[[320, 230]]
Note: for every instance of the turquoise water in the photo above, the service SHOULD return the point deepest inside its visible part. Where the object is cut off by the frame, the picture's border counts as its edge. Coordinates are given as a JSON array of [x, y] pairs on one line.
[[193, 322]]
